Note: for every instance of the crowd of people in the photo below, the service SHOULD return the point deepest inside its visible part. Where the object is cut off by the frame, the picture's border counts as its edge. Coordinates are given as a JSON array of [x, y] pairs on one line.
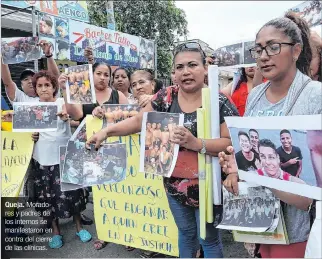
[[253, 212], [283, 52], [35, 117]]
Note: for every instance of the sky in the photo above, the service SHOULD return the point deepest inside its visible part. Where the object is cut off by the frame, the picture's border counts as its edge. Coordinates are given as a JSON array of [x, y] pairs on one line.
[[221, 23]]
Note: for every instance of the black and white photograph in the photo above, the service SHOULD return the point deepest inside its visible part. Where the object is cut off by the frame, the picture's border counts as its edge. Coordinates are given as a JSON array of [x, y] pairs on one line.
[[35, 117], [80, 85], [253, 209], [90, 167], [18, 50], [279, 152], [158, 155], [228, 55]]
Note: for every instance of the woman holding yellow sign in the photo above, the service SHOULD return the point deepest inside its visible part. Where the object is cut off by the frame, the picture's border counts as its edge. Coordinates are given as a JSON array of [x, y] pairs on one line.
[[182, 187]]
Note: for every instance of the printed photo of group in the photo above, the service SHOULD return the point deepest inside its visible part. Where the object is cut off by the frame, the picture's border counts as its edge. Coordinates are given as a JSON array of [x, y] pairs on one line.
[[56, 31], [17, 50], [288, 156], [158, 155], [115, 113], [228, 55], [85, 167], [80, 85], [254, 209], [34, 117]]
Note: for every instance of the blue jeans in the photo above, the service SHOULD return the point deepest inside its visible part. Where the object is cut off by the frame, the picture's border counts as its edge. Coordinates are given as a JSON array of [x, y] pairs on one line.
[[187, 221]]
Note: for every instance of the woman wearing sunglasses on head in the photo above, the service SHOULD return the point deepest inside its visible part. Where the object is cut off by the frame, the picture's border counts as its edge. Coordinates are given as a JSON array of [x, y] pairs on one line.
[[182, 187], [283, 54]]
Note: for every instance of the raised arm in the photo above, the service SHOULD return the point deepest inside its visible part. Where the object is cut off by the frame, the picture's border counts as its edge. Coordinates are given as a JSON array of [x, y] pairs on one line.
[[48, 51], [7, 81]]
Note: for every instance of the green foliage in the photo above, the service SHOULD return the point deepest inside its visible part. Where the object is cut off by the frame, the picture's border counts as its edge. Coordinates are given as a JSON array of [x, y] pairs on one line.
[[158, 20]]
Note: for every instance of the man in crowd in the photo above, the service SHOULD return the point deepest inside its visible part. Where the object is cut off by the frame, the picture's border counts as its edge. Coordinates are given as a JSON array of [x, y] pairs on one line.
[[290, 156]]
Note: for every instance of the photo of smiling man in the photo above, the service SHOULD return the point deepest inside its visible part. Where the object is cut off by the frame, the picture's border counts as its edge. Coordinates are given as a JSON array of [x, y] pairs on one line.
[[270, 163], [290, 156], [247, 159]]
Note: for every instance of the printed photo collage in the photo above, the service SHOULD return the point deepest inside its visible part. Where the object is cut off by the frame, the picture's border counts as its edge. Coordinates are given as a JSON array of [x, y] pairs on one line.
[[55, 30]]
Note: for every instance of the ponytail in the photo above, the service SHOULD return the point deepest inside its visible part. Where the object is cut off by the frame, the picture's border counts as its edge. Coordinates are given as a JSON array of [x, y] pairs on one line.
[[305, 58]]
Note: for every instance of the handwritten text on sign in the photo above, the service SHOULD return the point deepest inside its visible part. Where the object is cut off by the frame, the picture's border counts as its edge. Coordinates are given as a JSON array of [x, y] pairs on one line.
[[16, 154], [134, 212]]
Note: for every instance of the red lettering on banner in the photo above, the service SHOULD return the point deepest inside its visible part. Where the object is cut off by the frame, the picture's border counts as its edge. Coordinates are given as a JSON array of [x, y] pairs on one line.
[[107, 37]]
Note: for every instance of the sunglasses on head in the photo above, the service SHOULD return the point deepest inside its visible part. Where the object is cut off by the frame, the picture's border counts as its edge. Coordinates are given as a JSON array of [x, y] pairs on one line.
[[189, 45]]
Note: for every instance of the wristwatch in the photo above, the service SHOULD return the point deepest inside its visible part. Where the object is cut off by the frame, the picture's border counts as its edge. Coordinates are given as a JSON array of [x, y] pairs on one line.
[[203, 149]]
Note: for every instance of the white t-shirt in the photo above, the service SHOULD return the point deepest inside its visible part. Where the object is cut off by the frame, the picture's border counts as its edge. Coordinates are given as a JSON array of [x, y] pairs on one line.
[[20, 96], [259, 210]]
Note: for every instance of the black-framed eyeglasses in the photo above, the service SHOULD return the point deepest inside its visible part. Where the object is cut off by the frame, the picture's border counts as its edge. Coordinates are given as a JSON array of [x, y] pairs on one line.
[[189, 45], [271, 49]]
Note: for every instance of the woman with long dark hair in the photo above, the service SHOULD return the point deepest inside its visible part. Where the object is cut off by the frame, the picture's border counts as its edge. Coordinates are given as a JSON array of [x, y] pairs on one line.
[[182, 188], [283, 54]]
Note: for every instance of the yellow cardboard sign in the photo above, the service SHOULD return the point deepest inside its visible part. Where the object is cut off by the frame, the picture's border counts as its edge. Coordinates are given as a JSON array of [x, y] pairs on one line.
[[16, 154], [134, 212]]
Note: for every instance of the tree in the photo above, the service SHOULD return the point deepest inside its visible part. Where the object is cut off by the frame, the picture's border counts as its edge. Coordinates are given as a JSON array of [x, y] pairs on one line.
[[157, 20]]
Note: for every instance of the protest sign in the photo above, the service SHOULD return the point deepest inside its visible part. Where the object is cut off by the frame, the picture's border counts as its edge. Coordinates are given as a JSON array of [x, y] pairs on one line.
[[228, 55], [20, 49], [254, 209], [114, 47], [158, 155], [76, 10], [35, 117], [134, 212], [280, 152], [80, 85], [55, 30], [310, 11], [85, 168], [146, 53], [16, 154]]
